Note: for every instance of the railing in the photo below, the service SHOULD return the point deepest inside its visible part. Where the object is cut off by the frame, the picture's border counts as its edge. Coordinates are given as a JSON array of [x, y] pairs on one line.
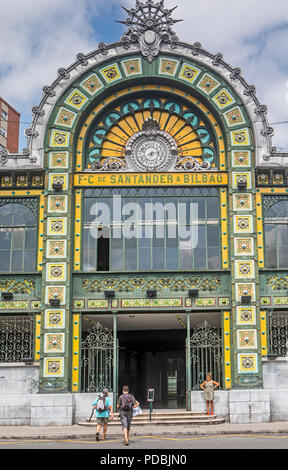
[[16, 339]]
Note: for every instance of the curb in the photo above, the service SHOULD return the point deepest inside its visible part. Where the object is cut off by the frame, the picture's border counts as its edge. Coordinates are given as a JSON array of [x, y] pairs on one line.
[[74, 436]]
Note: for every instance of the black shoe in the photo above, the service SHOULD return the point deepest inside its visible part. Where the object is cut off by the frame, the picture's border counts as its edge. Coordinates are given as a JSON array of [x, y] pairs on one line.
[[97, 436]]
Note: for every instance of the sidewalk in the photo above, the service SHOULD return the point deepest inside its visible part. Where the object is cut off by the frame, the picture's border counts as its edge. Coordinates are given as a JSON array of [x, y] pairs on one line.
[[81, 432]]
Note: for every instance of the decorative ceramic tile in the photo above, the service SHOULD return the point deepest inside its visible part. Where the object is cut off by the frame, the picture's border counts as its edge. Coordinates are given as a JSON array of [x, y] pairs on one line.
[[208, 84], [54, 367], [223, 99], [263, 178], [15, 305], [201, 302], [278, 178], [35, 304], [57, 226], [111, 73], [242, 202], [22, 181], [59, 138], [241, 158], [243, 223], [92, 84], [57, 178], [6, 181], [56, 249], [56, 272], [205, 302], [244, 269], [98, 303], [247, 363], [76, 99], [244, 246], [54, 343], [241, 178], [55, 292], [54, 319], [189, 73], [132, 67], [245, 290], [247, 339], [114, 303], [224, 302], [281, 300], [58, 160], [37, 181], [240, 137], [79, 303], [265, 301], [234, 117], [57, 204], [65, 118], [246, 315], [140, 303], [168, 67]]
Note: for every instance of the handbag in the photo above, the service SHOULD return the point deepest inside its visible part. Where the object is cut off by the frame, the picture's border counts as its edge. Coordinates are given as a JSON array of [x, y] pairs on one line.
[[137, 411]]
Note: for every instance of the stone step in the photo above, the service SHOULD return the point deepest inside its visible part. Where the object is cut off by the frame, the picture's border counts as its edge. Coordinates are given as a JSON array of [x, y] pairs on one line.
[[169, 419], [167, 422], [166, 417]]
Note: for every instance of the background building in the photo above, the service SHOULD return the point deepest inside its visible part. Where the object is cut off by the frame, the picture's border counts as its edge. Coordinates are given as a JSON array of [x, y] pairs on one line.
[[151, 120], [9, 127]]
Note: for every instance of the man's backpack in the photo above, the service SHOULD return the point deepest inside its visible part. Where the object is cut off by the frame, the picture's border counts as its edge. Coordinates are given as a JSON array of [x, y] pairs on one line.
[[101, 403], [126, 402]]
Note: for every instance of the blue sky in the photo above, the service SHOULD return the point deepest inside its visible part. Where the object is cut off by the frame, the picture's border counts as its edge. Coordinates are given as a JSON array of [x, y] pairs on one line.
[[41, 36]]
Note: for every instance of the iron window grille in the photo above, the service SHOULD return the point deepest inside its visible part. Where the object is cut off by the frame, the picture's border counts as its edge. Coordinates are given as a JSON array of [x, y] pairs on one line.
[[16, 339]]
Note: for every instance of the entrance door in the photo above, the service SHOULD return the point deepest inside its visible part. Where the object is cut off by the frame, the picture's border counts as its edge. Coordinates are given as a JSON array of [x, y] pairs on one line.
[[154, 359]]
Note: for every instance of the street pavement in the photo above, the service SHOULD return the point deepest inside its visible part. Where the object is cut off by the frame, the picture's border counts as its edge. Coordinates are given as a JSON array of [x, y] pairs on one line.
[[115, 432]]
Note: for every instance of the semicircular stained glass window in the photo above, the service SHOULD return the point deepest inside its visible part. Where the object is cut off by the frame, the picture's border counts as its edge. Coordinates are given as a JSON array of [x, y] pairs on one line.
[[188, 126]]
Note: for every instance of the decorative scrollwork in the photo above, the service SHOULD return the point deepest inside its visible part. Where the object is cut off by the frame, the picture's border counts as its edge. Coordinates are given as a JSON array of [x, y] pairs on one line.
[[149, 24], [278, 334], [205, 336], [163, 283], [16, 339]]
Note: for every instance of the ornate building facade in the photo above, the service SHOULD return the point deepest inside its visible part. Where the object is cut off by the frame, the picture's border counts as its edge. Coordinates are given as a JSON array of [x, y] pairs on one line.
[[147, 120]]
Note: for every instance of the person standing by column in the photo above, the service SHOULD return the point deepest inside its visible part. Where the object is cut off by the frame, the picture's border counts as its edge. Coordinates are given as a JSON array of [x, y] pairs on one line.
[[126, 403], [104, 411], [209, 386]]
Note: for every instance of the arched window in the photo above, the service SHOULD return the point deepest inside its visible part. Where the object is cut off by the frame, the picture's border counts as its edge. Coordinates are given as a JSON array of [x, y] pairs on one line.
[[17, 238], [276, 235]]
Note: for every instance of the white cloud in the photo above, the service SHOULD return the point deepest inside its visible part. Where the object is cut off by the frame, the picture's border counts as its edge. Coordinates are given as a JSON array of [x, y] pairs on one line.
[[38, 37]]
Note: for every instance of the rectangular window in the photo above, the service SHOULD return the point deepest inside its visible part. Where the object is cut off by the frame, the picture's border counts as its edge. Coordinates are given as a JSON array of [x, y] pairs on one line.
[[3, 132], [276, 232], [4, 115], [131, 233]]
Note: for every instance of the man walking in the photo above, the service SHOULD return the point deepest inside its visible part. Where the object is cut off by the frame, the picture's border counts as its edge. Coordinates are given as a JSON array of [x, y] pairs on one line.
[[126, 403], [104, 411]]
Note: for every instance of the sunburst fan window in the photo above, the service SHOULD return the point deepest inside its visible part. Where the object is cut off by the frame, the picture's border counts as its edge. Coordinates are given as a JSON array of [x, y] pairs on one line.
[[191, 130]]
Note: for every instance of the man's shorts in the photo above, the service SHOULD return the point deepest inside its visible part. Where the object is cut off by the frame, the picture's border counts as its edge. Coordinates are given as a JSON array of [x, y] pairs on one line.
[[125, 421], [102, 421]]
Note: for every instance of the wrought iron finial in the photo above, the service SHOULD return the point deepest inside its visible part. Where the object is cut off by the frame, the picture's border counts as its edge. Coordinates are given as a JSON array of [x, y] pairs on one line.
[[149, 24]]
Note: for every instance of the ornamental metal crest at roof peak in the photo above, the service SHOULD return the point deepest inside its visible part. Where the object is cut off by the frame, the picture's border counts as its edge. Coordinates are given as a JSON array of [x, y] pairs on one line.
[[149, 24]]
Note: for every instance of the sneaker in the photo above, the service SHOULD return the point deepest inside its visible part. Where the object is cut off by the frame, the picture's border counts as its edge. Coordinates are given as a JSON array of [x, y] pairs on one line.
[[97, 436]]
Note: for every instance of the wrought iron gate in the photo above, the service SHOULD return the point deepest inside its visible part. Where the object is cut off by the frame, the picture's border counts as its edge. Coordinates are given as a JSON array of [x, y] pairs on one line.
[[97, 359], [206, 354]]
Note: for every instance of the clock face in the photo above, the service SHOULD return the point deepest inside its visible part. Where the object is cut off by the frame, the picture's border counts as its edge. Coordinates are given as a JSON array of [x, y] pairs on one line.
[[151, 153]]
